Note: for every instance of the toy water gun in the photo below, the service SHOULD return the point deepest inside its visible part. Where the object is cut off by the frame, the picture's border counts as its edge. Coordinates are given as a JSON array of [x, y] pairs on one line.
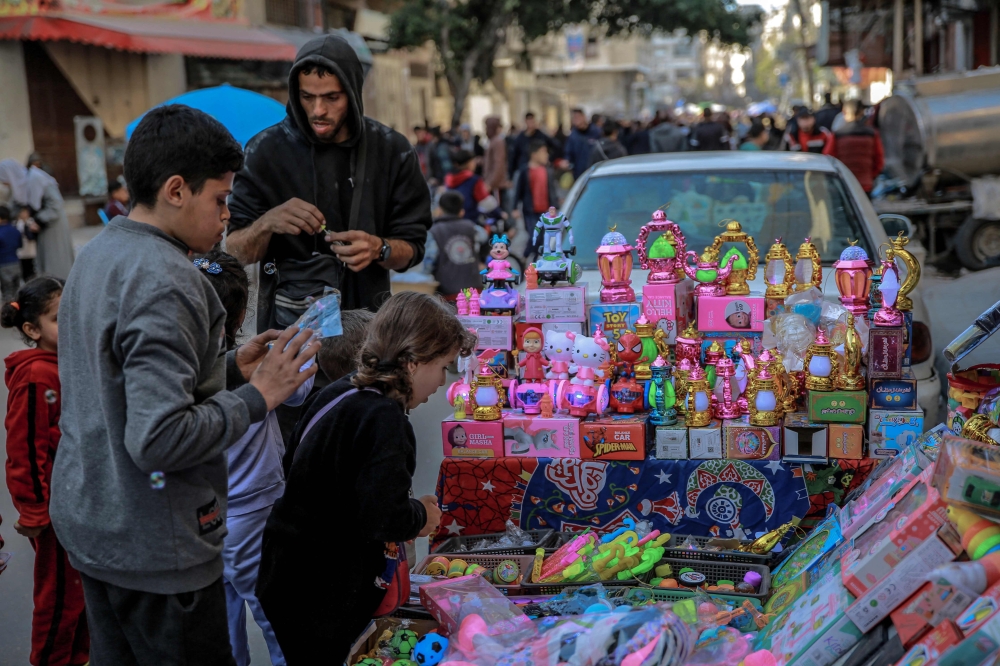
[[624, 557]]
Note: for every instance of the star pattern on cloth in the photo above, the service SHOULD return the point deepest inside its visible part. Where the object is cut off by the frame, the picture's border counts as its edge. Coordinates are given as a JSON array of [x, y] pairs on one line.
[[663, 477], [775, 466], [488, 485], [455, 528]]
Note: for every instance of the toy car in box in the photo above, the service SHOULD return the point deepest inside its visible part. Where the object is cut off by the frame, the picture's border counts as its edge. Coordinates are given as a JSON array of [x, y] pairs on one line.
[[968, 473]]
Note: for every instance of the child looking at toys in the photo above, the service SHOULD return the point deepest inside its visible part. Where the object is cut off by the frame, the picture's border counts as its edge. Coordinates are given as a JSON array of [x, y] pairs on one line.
[[452, 251], [10, 264], [356, 459], [256, 479], [58, 625]]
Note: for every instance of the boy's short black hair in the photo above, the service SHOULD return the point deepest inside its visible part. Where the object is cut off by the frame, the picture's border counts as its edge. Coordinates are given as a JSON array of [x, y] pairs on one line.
[[610, 127], [5, 213], [452, 202], [177, 140], [535, 145], [529, 115], [338, 356], [114, 186]]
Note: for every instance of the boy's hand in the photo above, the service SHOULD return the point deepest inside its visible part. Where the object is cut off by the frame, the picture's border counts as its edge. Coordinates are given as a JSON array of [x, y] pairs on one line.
[[250, 354], [278, 377], [32, 532], [430, 503]]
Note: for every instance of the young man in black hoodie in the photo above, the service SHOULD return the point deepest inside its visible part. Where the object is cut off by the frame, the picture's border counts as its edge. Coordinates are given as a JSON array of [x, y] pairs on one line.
[[327, 190]]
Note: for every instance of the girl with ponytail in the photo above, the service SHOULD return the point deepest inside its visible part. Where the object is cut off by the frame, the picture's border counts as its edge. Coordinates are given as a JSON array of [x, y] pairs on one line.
[[352, 473]]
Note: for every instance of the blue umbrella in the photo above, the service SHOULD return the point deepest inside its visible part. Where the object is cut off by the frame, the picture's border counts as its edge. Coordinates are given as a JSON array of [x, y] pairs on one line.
[[760, 108], [243, 112]]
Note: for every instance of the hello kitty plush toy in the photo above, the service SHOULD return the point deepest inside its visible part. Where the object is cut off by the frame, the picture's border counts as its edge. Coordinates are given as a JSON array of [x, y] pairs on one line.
[[589, 354], [559, 350]]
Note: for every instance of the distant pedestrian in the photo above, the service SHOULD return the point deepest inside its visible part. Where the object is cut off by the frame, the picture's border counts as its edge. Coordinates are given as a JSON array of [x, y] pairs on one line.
[[58, 625], [453, 243], [807, 137], [10, 264], [859, 146], [710, 134], [757, 137], [117, 200], [668, 136], [521, 149], [479, 201], [609, 147], [827, 113], [38, 193], [535, 189], [495, 158], [582, 137]]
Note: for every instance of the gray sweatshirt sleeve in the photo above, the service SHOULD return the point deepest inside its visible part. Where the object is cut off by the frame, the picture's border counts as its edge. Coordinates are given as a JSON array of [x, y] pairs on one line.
[[163, 344]]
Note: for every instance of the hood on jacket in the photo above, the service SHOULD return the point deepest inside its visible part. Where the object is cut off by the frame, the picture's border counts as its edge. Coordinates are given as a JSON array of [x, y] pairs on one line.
[[25, 357], [453, 180], [334, 53]]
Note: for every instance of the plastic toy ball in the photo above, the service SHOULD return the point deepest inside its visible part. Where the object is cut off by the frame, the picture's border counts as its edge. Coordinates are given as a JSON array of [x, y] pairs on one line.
[[370, 661], [403, 642], [430, 649], [404, 662]]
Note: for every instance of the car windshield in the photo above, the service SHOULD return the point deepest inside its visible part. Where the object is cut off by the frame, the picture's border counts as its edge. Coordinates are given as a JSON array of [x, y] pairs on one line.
[[768, 204]]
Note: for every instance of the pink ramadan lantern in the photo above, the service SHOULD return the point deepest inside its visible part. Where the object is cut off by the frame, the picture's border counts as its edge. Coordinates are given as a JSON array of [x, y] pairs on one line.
[[853, 274], [614, 261], [666, 255], [727, 406]]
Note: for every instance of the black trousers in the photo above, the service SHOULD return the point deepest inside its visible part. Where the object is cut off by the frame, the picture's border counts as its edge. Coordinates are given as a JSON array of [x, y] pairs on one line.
[[131, 628]]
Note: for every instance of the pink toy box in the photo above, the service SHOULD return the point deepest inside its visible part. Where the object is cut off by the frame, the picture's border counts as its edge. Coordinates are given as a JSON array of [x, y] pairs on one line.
[[538, 437], [731, 314], [472, 439], [862, 512], [914, 517], [668, 306]]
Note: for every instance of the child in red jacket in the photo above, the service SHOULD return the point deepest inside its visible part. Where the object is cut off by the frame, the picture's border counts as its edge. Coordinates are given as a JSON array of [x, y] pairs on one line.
[[58, 627]]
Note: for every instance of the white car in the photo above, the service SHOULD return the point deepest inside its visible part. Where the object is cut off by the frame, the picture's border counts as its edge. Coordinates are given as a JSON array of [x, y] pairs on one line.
[[772, 194]]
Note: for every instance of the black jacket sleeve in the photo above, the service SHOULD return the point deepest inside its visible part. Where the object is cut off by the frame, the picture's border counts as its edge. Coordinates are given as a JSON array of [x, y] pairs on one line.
[[252, 193], [386, 510], [409, 215]]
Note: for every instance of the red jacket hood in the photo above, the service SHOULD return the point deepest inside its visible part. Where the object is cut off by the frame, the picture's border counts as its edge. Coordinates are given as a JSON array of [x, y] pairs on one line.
[[453, 180], [22, 359]]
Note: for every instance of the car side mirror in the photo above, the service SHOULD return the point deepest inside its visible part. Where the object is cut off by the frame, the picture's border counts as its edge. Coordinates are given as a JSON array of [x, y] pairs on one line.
[[893, 224]]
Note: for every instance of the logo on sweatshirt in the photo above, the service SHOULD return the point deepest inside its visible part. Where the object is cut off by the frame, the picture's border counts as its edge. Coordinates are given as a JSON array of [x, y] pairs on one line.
[[209, 517]]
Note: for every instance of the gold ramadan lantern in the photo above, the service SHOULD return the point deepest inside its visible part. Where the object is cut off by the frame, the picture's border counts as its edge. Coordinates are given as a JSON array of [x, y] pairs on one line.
[[808, 266], [745, 267], [779, 271], [699, 399], [819, 364], [762, 399], [903, 301]]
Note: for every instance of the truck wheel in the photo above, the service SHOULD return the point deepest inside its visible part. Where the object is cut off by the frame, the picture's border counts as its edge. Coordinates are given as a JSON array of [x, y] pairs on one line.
[[977, 243]]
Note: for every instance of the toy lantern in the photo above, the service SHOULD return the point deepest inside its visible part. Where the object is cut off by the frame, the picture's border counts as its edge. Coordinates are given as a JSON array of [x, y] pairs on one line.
[[889, 314], [713, 354], [486, 395], [644, 329], [903, 302], [779, 273], [819, 363], [683, 369], [853, 273], [661, 395], [808, 266], [763, 399], [699, 399], [665, 255], [850, 378], [744, 267], [614, 261], [688, 344], [726, 406]]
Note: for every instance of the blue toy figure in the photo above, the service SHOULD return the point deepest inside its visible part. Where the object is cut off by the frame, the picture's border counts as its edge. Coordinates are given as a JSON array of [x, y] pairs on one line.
[[553, 263]]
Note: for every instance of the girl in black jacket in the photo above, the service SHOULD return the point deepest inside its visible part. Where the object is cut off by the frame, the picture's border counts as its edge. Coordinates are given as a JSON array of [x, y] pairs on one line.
[[332, 543]]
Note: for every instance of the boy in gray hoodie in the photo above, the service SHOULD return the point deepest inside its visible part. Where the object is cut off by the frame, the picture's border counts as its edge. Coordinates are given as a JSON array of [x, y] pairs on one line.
[[139, 486]]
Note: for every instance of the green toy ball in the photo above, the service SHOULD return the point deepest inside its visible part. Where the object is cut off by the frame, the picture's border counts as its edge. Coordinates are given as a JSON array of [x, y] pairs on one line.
[[404, 662], [403, 642], [370, 661]]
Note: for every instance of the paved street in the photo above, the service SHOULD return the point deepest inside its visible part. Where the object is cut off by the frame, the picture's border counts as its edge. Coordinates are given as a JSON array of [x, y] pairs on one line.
[[952, 303]]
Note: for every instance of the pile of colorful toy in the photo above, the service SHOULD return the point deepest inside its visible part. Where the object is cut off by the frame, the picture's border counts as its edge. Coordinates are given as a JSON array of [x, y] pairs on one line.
[[700, 366]]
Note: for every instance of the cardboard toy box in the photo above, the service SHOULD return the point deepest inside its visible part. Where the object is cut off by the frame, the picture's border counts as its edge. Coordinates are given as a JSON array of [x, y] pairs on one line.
[[804, 440], [968, 474], [537, 437], [934, 644], [815, 631], [977, 647], [904, 578], [836, 406], [495, 331], [980, 610], [730, 341], [672, 441], [823, 539], [894, 394], [891, 432], [612, 318], [668, 306], [742, 441], [705, 443], [472, 439], [731, 314], [846, 441], [613, 437], [885, 353], [858, 514], [935, 602], [915, 516], [907, 338], [556, 304], [368, 640]]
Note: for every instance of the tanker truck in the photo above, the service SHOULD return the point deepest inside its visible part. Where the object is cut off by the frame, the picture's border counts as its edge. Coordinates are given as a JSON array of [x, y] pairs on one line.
[[942, 156]]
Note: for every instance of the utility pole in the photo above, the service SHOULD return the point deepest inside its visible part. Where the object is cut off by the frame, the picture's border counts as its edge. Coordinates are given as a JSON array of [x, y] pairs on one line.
[[807, 73]]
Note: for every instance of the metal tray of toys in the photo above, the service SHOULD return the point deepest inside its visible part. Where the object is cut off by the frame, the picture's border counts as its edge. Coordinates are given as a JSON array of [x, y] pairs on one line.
[[488, 562], [701, 553], [454, 544], [529, 588], [658, 594], [716, 571]]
